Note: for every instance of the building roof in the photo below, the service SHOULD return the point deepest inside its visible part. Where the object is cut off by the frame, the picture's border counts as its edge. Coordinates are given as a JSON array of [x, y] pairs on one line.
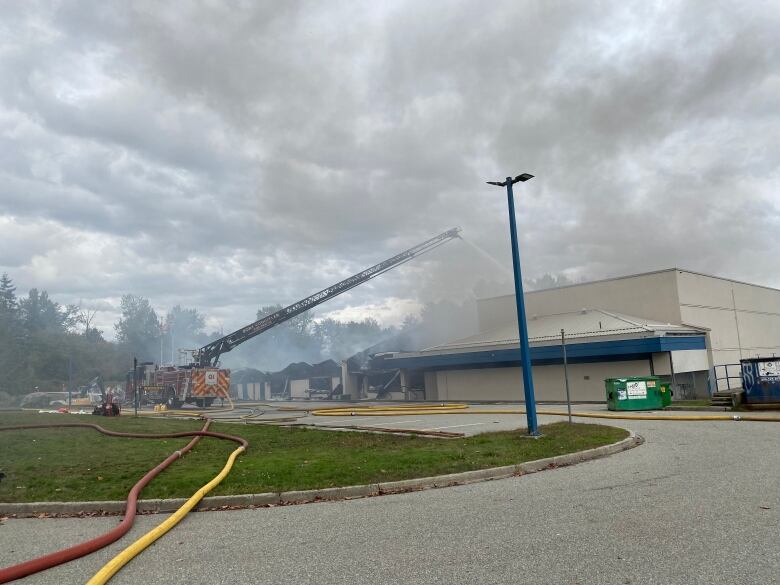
[[530, 292], [303, 370], [591, 334], [577, 352], [583, 326]]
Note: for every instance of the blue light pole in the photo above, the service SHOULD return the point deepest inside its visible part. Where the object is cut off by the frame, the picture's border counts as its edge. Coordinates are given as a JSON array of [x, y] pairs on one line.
[[522, 326]]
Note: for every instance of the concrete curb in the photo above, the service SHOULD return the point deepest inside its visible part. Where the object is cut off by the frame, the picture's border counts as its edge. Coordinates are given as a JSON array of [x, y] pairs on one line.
[[26, 510]]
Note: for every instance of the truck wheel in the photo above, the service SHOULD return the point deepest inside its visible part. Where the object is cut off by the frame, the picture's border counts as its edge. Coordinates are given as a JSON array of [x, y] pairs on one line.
[[209, 402], [200, 402]]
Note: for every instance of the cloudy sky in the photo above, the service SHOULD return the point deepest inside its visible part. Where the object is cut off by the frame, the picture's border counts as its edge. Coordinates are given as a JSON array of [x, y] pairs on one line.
[[224, 155]]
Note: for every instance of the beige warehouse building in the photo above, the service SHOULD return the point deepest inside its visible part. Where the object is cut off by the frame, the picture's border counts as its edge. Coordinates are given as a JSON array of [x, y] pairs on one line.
[[681, 325]]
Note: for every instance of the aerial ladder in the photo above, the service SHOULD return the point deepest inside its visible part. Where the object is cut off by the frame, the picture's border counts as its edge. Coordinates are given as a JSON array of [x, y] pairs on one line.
[[202, 380], [208, 355]]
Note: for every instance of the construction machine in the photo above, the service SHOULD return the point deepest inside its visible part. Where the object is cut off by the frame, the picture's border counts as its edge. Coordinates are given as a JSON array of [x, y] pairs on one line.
[[202, 381]]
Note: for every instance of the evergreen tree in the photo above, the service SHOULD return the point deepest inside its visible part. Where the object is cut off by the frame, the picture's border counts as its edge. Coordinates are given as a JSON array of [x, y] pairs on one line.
[[8, 302], [38, 313], [10, 351]]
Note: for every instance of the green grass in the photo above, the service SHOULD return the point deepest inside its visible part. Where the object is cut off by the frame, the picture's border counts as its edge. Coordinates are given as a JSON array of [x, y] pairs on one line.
[[81, 464]]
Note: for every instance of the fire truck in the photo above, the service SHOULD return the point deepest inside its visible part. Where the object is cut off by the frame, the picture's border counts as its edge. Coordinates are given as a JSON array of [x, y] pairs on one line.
[[202, 381], [175, 385]]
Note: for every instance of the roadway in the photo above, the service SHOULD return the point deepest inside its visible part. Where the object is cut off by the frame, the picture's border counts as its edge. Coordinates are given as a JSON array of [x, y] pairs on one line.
[[698, 503]]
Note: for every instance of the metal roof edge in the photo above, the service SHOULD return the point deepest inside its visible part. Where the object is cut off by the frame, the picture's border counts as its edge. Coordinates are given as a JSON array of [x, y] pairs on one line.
[[598, 281], [734, 280], [635, 275]]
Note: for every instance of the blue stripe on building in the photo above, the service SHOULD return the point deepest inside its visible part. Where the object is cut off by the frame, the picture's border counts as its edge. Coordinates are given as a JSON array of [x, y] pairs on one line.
[[619, 350]]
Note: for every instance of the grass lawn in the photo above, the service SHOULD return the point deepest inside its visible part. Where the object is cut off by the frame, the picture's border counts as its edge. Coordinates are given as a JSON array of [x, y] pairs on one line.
[[82, 464]]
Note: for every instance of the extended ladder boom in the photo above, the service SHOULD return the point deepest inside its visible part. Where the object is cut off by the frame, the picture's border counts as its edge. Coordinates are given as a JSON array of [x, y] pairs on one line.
[[209, 354]]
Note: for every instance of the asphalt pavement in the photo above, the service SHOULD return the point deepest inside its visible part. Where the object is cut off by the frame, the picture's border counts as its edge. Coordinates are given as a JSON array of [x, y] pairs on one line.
[[698, 503]]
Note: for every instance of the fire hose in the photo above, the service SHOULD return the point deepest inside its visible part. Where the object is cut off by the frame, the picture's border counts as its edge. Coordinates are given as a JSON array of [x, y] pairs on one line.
[[464, 409], [62, 556], [110, 569]]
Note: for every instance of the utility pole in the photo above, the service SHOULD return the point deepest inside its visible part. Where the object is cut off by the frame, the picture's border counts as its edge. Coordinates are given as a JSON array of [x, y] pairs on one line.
[[566, 373], [70, 381], [136, 398]]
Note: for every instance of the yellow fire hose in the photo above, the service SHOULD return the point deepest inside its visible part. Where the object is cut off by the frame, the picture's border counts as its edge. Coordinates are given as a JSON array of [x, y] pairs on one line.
[[119, 561], [464, 409], [190, 413]]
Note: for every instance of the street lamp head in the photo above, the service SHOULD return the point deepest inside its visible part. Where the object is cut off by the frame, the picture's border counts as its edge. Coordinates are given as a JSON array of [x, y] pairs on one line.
[[510, 181]]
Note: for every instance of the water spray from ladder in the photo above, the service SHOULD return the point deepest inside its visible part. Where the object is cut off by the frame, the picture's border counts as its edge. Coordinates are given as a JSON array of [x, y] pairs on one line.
[[492, 259]]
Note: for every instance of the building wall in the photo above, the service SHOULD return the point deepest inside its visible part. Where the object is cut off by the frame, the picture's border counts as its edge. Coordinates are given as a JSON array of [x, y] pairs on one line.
[[691, 372], [690, 360], [431, 385], [299, 388], [653, 296], [249, 391], [744, 319], [586, 382]]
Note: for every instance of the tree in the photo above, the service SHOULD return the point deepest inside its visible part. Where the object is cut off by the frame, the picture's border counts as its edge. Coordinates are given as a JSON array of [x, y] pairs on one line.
[[93, 334], [341, 339], [10, 335], [184, 329], [38, 313], [548, 281], [300, 325], [85, 317], [8, 302], [37, 344], [139, 327], [294, 340]]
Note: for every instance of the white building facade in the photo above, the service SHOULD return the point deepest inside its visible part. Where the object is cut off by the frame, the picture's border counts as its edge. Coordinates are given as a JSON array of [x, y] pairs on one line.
[[681, 325]]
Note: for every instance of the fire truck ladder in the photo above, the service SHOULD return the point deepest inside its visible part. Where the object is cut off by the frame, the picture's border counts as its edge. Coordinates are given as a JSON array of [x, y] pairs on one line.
[[209, 354]]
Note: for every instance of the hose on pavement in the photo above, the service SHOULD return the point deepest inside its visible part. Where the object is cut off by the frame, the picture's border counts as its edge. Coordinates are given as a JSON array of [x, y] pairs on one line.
[[110, 569], [464, 409], [44, 562]]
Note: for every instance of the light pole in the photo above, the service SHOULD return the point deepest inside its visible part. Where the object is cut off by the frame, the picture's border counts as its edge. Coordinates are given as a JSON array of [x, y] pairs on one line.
[[522, 326]]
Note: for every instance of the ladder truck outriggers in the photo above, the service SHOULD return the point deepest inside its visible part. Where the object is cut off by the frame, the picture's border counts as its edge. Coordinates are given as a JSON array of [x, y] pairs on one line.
[[202, 381]]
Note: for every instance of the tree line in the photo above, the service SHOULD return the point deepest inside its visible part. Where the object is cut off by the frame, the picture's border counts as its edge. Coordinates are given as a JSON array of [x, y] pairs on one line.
[[43, 344]]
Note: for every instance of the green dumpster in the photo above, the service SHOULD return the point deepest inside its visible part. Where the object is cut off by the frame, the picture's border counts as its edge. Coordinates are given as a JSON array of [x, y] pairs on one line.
[[666, 394], [635, 393]]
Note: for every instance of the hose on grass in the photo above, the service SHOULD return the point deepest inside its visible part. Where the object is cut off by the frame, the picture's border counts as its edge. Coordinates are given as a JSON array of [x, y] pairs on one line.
[[110, 569], [110, 433], [44, 562]]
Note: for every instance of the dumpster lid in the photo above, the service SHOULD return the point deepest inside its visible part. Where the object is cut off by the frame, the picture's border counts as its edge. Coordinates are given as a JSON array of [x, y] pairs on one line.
[[632, 379]]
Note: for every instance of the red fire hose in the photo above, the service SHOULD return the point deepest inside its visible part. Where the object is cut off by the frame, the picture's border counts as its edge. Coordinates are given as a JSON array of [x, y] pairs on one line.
[[68, 554]]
